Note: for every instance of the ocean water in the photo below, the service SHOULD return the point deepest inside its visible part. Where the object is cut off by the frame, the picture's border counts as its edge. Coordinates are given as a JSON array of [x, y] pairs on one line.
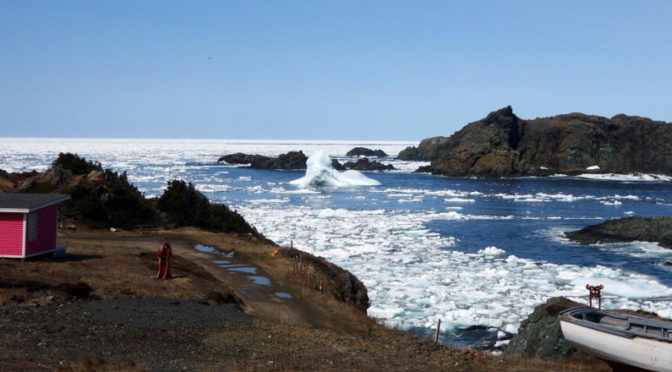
[[470, 252]]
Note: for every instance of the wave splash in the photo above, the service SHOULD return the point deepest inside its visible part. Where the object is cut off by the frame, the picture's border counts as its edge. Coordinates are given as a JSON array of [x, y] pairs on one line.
[[321, 173]]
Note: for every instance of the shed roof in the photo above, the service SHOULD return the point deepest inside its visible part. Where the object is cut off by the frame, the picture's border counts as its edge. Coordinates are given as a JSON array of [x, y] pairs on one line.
[[26, 203]]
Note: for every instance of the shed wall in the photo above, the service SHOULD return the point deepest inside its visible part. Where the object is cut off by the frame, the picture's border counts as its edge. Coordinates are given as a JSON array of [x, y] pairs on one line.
[[11, 234], [46, 231]]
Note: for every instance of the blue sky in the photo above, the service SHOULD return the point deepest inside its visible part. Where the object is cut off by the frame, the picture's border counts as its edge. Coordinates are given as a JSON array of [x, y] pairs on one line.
[[344, 70]]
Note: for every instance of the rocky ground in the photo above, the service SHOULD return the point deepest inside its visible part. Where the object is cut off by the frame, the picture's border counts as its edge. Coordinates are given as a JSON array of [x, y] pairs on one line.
[[100, 308]]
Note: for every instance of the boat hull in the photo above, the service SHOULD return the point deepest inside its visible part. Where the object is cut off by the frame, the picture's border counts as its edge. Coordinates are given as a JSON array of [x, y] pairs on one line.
[[636, 351]]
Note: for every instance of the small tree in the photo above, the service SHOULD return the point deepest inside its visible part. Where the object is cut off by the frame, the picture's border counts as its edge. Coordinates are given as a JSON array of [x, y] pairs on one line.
[[75, 163], [186, 206]]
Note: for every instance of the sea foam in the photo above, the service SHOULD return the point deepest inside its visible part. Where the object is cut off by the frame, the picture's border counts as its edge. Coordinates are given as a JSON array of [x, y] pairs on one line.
[[320, 173]]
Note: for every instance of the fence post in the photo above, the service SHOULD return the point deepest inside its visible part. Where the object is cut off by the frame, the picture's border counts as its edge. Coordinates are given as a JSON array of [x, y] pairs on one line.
[[438, 329]]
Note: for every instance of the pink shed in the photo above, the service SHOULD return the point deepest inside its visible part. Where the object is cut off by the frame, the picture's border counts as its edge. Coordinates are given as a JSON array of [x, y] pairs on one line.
[[28, 224]]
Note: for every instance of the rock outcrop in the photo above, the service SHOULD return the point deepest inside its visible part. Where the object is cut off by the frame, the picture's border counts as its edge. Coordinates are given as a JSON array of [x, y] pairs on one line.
[[539, 335], [365, 164], [363, 151], [428, 150], [337, 165], [240, 158], [503, 145], [322, 275], [288, 161], [649, 229], [10, 181], [293, 160]]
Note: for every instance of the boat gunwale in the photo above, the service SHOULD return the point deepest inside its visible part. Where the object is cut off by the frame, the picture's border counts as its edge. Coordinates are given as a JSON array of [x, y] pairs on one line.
[[568, 316]]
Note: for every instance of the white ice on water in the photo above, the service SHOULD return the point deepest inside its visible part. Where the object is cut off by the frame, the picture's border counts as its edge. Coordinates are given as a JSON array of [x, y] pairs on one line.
[[416, 277], [320, 173]]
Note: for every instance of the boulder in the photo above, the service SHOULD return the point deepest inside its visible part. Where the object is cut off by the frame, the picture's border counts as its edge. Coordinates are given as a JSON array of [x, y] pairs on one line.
[[363, 151], [10, 181], [650, 229], [365, 164], [503, 145], [57, 176], [539, 336]]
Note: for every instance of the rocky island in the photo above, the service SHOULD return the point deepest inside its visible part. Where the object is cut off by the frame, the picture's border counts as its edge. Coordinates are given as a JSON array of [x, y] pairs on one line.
[[503, 145], [363, 151], [648, 229], [363, 164], [293, 160]]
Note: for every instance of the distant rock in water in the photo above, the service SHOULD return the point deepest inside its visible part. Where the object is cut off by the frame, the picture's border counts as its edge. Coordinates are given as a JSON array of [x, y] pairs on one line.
[[363, 151], [503, 145], [365, 164], [337, 165], [290, 160], [539, 336], [649, 229], [293, 160], [240, 158]]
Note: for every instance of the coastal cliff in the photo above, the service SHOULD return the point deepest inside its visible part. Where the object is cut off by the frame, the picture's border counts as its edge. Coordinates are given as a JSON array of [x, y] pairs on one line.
[[503, 145]]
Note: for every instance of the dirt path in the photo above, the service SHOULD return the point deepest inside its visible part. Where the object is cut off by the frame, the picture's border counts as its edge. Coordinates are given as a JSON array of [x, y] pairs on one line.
[[262, 296], [236, 264]]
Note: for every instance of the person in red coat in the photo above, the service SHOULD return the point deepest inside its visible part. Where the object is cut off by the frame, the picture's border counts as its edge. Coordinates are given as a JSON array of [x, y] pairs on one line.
[[163, 255]]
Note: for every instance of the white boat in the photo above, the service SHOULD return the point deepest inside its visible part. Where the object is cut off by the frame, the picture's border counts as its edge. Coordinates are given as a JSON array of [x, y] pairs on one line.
[[623, 339]]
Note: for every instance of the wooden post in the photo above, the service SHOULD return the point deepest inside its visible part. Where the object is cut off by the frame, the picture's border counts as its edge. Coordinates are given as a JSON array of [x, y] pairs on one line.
[[438, 329]]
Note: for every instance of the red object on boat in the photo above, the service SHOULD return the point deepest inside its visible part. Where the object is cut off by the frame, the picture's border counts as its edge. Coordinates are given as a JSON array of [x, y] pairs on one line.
[[595, 292], [163, 254]]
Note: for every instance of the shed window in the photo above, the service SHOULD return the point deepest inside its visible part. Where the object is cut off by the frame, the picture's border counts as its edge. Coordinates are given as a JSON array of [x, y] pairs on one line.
[[32, 227]]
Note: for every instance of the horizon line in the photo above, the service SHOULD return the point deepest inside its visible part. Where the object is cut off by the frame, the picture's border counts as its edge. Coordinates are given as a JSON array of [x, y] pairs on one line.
[[216, 139]]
